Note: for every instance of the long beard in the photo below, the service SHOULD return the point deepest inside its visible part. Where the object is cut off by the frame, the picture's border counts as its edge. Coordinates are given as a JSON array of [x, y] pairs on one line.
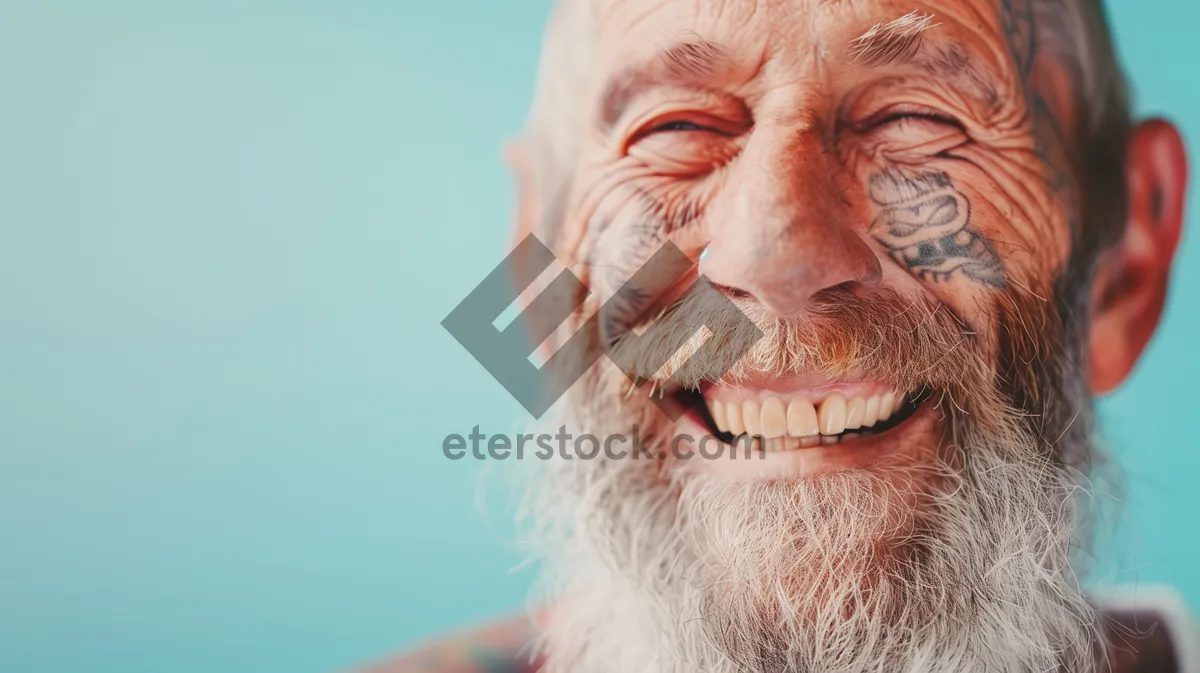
[[959, 565]]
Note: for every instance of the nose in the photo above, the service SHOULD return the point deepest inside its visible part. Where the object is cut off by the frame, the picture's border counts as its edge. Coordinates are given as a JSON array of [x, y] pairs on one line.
[[781, 231]]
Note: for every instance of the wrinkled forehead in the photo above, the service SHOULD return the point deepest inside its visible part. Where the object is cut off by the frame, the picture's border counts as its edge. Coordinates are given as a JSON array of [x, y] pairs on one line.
[[736, 42]]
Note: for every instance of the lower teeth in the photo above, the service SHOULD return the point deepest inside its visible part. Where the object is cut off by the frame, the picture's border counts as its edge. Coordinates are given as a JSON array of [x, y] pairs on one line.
[[789, 443]]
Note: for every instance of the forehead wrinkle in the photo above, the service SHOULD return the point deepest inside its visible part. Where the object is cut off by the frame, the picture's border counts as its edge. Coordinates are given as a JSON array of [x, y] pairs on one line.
[[951, 61]]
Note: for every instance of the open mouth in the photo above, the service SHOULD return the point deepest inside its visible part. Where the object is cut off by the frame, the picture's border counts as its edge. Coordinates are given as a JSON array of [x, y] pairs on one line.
[[775, 421]]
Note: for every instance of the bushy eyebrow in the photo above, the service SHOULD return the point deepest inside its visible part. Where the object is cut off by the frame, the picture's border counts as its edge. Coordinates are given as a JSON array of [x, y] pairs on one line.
[[699, 58], [688, 64], [902, 41], [897, 40]]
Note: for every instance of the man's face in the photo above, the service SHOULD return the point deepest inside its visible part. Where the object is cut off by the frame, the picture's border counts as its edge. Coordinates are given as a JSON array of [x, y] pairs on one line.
[[824, 153], [887, 194]]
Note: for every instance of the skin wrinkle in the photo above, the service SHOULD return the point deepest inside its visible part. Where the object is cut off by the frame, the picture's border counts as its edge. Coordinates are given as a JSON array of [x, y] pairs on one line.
[[600, 218], [1007, 178], [649, 229], [696, 64], [669, 219], [1009, 113], [952, 61], [969, 111], [1049, 139], [673, 218]]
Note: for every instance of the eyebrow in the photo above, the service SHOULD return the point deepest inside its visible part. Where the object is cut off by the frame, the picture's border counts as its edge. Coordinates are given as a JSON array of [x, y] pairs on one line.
[[688, 64], [902, 41], [897, 40]]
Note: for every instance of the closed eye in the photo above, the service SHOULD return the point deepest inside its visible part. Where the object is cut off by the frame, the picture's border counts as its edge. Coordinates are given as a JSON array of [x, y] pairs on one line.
[[910, 116], [680, 125], [686, 143], [905, 114]]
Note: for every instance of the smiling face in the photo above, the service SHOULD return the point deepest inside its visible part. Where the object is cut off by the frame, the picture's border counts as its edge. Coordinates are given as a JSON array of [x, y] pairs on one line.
[[825, 154], [890, 196], [820, 151]]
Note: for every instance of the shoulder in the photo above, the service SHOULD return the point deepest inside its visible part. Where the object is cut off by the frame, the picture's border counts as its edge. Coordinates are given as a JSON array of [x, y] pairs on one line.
[[1150, 629], [503, 647]]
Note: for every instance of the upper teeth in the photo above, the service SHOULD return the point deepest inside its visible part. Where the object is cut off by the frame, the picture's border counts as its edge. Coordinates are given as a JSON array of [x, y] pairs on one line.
[[771, 416]]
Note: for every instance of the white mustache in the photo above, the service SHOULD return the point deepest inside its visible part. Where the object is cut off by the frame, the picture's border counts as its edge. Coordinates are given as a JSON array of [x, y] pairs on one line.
[[908, 343]]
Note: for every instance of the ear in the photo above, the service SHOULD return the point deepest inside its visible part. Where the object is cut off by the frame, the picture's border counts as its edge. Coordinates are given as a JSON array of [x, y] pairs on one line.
[[1131, 284], [516, 155]]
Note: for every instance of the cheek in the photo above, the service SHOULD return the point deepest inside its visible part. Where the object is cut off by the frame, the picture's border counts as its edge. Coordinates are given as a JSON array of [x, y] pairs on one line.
[[684, 155], [627, 228], [987, 237], [963, 225], [637, 218], [1020, 208]]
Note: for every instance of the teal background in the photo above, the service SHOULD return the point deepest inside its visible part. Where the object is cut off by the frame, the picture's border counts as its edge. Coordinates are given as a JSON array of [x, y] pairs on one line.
[[228, 232]]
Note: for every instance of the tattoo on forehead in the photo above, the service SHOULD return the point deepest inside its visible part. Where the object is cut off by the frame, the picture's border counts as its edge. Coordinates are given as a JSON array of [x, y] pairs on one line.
[[1019, 29], [925, 225]]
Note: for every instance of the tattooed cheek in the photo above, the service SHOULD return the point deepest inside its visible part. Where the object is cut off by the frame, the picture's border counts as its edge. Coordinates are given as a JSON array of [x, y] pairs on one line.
[[924, 222]]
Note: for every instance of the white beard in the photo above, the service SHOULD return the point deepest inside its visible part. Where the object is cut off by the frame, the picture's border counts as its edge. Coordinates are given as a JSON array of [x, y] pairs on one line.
[[841, 573]]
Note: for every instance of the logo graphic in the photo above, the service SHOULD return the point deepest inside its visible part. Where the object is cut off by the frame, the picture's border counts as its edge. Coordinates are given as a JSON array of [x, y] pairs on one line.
[[505, 353]]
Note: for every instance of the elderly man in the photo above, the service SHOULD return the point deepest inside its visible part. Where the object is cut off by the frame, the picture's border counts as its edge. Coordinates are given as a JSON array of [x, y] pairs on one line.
[[946, 236]]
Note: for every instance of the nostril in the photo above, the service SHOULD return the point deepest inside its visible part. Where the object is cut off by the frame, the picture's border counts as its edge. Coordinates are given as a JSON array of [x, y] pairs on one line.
[[845, 287], [731, 292]]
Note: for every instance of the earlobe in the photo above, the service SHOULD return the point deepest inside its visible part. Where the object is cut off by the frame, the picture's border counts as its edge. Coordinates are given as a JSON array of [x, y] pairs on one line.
[[1130, 287]]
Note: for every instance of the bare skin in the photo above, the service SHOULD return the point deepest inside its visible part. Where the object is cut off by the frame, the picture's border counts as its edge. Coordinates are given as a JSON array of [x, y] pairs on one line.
[[499, 648], [938, 166]]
